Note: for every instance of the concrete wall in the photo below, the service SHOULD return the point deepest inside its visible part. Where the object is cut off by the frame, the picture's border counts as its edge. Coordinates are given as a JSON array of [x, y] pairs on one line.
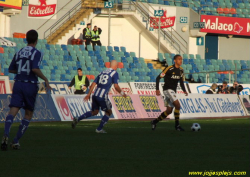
[[125, 32], [21, 23], [234, 48]]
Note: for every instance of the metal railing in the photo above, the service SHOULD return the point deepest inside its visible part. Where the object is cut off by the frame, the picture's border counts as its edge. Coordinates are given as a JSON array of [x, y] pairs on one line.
[[53, 15], [170, 34], [63, 20]]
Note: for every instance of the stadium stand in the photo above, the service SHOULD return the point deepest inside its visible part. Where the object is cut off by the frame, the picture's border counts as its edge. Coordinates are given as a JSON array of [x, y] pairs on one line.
[[60, 63], [229, 8]]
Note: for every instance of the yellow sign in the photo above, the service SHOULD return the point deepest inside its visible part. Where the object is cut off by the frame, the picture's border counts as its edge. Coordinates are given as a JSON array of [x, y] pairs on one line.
[[14, 4], [124, 104]]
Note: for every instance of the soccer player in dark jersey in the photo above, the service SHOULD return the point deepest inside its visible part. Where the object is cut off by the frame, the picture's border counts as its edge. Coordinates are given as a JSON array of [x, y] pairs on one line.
[[100, 97], [25, 64], [172, 75]]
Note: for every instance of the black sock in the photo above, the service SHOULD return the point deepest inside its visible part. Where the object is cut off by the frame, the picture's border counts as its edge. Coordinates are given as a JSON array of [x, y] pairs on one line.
[[176, 116], [161, 117]]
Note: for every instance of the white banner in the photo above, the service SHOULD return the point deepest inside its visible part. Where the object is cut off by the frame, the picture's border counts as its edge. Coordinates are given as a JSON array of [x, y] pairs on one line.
[[124, 87], [210, 105], [70, 106], [203, 87], [149, 88], [245, 102]]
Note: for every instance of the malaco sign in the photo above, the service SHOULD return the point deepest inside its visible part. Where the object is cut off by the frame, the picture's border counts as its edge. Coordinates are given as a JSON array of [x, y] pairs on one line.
[[41, 8], [226, 25]]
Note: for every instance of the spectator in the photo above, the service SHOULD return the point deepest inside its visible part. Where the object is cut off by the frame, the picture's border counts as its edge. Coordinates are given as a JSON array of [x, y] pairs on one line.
[[212, 89], [86, 33], [96, 37], [236, 88], [80, 81], [223, 89]]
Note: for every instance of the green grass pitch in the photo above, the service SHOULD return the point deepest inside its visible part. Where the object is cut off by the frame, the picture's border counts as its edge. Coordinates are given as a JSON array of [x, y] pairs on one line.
[[129, 149]]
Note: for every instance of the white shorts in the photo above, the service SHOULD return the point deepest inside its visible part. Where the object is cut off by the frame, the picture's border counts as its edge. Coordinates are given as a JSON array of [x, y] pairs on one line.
[[170, 97]]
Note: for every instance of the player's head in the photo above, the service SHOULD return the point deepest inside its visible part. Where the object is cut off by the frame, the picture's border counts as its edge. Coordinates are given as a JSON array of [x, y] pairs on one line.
[[224, 84], [235, 84], [88, 25], [214, 86], [32, 37], [178, 60], [114, 64], [79, 71]]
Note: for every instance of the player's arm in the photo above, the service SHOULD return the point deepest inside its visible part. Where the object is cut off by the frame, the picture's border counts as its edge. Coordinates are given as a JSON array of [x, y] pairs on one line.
[[119, 90], [158, 78], [115, 79], [182, 85], [35, 68], [87, 97], [12, 67], [92, 88], [39, 73]]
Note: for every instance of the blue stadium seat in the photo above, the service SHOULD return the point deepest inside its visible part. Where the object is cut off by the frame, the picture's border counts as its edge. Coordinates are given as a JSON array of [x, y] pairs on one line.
[[110, 48], [116, 48]]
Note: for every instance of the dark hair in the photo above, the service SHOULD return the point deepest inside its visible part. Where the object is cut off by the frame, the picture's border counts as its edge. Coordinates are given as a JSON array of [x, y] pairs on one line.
[[224, 82], [79, 69], [176, 56], [31, 36]]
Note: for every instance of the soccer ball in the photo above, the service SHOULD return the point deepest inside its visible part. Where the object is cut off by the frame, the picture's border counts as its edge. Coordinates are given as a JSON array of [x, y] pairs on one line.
[[196, 127]]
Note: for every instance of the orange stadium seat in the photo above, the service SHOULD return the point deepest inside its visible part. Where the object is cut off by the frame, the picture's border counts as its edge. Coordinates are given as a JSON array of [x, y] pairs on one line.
[[120, 65], [88, 76], [92, 77], [232, 11], [107, 64], [1, 50], [226, 11], [220, 10]]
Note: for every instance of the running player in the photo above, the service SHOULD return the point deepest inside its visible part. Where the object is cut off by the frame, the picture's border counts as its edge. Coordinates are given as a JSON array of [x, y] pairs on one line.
[[100, 97], [25, 64], [172, 75]]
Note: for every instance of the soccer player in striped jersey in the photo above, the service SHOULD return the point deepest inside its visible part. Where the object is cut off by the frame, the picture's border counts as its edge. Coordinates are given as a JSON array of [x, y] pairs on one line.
[[25, 64], [100, 99], [172, 75]]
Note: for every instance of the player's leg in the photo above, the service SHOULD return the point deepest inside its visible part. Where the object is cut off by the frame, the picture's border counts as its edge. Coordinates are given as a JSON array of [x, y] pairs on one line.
[[169, 109], [161, 117], [107, 107], [94, 111], [29, 93], [8, 122], [177, 106], [15, 104], [22, 128], [104, 120]]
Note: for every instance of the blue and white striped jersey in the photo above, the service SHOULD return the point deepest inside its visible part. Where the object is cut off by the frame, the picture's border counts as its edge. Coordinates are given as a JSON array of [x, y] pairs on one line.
[[24, 61], [104, 81]]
